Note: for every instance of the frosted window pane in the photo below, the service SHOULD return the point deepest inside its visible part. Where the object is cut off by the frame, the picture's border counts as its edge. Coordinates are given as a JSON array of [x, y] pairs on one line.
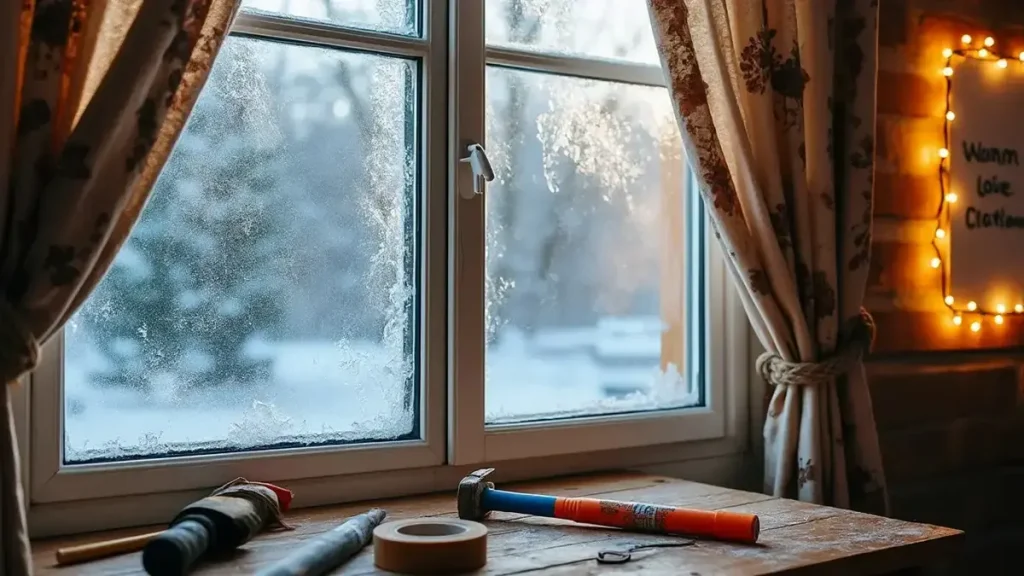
[[266, 296], [395, 16], [610, 29], [575, 254]]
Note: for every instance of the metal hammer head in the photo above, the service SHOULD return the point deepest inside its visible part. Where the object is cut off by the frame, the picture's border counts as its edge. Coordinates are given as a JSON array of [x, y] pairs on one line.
[[470, 489]]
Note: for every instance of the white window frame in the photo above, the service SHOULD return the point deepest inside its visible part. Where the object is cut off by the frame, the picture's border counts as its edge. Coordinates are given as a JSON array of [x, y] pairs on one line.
[[67, 499]]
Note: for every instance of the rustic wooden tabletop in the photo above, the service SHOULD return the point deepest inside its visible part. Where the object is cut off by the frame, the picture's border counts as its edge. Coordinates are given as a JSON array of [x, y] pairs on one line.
[[796, 538]]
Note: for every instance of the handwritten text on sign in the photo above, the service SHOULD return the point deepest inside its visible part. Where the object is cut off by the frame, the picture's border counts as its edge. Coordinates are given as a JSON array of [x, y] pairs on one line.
[[985, 148]]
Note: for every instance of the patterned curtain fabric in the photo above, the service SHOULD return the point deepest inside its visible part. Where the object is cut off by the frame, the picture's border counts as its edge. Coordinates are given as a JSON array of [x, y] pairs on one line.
[[776, 101], [95, 93]]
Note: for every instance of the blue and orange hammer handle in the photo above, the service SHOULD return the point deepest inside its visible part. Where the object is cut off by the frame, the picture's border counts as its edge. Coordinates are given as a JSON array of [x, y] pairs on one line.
[[721, 525]]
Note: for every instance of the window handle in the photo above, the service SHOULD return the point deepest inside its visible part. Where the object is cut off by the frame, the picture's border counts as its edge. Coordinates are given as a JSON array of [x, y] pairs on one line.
[[481, 166]]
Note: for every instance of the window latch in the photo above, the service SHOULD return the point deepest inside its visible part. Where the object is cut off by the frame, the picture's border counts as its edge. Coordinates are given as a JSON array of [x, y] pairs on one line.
[[481, 166]]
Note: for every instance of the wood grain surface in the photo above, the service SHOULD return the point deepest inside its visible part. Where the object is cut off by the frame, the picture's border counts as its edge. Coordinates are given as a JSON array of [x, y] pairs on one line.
[[796, 538]]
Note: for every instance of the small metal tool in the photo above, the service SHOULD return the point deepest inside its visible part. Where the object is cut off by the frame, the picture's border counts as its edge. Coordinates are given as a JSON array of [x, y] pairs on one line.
[[625, 555]]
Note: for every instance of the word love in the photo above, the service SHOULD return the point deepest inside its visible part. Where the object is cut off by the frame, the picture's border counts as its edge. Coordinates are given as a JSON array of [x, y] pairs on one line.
[[993, 185]]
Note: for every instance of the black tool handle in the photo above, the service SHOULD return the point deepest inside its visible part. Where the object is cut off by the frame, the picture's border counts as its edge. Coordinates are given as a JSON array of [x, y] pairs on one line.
[[176, 549]]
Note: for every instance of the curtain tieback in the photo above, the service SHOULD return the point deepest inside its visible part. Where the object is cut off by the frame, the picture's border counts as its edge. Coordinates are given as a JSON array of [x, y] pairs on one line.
[[860, 334], [19, 350]]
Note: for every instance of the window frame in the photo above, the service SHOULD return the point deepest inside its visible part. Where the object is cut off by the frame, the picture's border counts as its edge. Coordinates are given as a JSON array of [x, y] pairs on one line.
[[52, 481], [68, 499]]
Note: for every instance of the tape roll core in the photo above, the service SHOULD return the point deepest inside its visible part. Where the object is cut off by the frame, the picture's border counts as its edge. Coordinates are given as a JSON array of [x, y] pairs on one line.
[[430, 546], [432, 529]]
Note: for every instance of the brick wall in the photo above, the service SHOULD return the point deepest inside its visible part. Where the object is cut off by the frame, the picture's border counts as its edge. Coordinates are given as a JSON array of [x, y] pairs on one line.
[[949, 402]]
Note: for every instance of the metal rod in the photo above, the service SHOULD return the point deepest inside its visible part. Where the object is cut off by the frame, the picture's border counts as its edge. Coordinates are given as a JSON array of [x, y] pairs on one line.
[[323, 553]]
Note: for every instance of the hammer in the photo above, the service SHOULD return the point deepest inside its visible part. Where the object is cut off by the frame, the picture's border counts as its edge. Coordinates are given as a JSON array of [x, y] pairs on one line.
[[477, 498]]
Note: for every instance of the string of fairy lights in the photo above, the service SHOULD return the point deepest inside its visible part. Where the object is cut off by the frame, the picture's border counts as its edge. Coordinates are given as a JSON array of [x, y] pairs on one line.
[[948, 197]]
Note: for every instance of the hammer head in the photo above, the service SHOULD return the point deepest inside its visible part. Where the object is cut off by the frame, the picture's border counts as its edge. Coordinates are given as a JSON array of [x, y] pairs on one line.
[[470, 489]]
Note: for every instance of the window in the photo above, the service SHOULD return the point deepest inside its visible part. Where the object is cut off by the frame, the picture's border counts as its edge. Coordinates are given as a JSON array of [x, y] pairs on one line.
[[316, 288], [257, 303]]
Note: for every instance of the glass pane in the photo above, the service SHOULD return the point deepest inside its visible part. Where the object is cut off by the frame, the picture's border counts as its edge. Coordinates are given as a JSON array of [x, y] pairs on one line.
[[394, 16], [585, 249], [611, 29], [266, 296]]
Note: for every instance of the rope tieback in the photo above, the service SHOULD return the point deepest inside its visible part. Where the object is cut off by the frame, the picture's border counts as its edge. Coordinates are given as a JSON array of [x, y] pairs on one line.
[[860, 334]]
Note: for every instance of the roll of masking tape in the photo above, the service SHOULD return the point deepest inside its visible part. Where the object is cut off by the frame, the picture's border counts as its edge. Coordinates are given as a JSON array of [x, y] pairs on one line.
[[430, 546]]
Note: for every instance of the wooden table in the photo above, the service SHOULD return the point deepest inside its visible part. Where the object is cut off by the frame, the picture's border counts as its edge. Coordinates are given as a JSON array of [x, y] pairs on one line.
[[796, 538]]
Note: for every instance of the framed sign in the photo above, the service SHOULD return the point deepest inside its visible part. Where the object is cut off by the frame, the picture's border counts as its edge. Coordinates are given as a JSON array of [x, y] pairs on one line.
[[979, 239]]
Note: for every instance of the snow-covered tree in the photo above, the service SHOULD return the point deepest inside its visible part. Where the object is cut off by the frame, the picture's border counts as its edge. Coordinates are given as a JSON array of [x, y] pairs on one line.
[[191, 286]]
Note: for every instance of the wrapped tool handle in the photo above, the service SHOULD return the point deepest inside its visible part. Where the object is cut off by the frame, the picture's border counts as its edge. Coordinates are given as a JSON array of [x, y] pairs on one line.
[[176, 549]]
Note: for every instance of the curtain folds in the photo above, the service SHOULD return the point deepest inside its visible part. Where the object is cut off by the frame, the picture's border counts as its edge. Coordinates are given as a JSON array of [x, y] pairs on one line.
[[95, 93], [776, 103]]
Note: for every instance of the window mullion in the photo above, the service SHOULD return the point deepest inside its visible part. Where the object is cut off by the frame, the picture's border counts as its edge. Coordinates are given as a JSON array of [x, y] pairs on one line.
[[466, 252], [434, 242]]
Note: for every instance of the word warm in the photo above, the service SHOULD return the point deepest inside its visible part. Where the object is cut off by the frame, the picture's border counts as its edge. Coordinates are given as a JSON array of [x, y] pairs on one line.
[[978, 152]]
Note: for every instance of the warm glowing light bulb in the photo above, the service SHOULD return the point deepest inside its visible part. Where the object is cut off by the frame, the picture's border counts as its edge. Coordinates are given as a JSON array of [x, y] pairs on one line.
[[975, 326], [950, 115], [947, 71], [972, 305], [951, 197], [983, 53], [943, 153], [966, 38], [998, 319], [1001, 63], [958, 320], [989, 41], [947, 52], [940, 233], [1000, 308], [1018, 308], [949, 300], [1021, 56], [936, 262]]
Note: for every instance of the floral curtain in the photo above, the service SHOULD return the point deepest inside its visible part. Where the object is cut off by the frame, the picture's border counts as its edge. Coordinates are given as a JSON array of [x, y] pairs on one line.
[[776, 101], [95, 93]]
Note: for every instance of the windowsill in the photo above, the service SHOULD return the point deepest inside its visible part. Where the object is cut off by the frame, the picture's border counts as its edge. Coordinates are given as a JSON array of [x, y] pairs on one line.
[[724, 462]]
